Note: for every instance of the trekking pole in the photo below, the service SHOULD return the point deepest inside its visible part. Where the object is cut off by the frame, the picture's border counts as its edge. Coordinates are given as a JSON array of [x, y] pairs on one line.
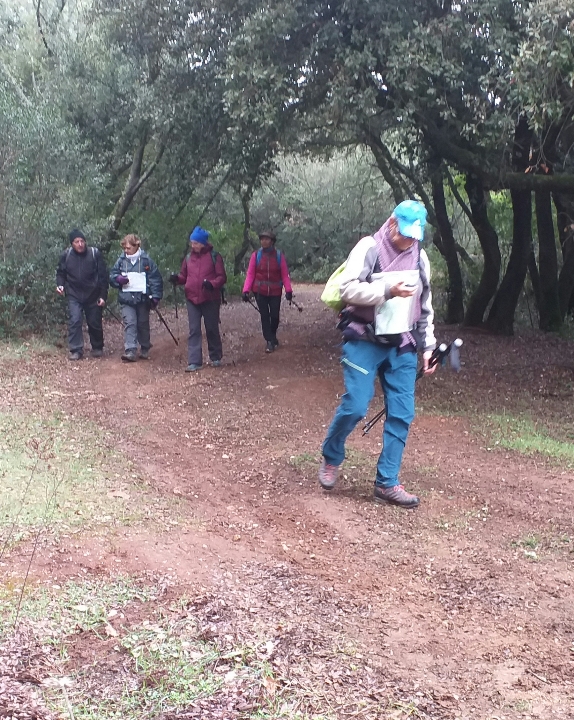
[[112, 313], [161, 317], [439, 355], [292, 302], [253, 305]]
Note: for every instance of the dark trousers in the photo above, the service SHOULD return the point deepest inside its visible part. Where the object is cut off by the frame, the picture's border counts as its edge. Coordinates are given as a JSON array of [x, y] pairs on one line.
[[269, 306], [93, 315], [136, 326], [209, 311]]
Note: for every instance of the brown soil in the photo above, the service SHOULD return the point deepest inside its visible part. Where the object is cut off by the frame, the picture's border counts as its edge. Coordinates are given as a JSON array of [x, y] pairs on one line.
[[442, 603]]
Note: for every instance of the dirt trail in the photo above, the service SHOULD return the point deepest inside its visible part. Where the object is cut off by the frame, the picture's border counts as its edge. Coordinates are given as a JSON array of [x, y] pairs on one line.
[[444, 596]]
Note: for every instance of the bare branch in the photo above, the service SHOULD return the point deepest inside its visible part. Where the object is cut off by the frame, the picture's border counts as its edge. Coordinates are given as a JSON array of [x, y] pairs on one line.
[[41, 29]]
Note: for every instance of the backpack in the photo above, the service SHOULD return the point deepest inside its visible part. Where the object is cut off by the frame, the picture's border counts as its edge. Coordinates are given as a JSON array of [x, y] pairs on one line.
[[214, 255], [331, 294], [260, 253]]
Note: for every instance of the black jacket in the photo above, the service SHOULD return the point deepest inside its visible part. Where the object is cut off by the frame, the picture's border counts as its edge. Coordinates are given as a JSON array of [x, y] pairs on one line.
[[84, 276]]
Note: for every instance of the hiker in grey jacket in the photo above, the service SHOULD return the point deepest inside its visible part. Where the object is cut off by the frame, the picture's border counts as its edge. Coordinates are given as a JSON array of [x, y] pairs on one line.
[[140, 288], [388, 317], [82, 276]]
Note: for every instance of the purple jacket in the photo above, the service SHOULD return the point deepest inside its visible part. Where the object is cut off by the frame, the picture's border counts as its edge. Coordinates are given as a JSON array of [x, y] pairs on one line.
[[198, 267]]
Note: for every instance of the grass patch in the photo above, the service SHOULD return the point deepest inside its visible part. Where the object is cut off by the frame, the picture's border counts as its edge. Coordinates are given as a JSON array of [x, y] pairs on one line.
[[58, 475], [27, 349], [527, 437], [146, 657]]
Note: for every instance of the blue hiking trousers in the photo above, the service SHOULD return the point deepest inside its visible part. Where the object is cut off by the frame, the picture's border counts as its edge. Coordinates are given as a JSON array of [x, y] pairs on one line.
[[362, 361]]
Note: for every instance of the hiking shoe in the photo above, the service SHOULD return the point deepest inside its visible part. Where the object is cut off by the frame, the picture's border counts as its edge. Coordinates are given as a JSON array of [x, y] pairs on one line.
[[192, 368], [395, 495], [129, 356], [144, 354], [216, 363], [275, 343], [97, 352], [75, 356], [328, 475], [270, 347]]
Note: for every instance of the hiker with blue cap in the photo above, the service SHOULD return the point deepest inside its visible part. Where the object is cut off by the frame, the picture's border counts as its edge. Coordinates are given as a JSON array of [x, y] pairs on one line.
[[203, 275], [388, 317]]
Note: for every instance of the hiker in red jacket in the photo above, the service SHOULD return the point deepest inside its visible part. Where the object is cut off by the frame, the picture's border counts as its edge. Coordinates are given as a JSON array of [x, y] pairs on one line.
[[203, 275], [267, 274]]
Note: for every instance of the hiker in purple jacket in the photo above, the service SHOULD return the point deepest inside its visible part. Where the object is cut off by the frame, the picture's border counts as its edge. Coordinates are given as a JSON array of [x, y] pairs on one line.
[[203, 276], [388, 317]]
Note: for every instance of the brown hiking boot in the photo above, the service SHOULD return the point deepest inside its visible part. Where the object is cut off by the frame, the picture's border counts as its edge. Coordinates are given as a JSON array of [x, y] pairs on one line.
[[328, 475], [395, 495]]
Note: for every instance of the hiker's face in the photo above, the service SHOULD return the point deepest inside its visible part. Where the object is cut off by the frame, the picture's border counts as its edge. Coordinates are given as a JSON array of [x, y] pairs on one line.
[[196, 247], [266, 242], [131, 249], [79, 245], [401, 242]]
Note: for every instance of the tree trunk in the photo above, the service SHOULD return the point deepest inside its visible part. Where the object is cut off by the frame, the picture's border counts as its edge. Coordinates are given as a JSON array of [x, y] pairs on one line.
[[455, 302], [247, 241], [565, 216], [488, 239], [395, 183], [501, 315], [133, 185], [534, 277], [549, 307]]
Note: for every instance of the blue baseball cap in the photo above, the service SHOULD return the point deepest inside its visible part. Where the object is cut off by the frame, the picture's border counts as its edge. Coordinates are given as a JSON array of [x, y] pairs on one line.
[[411, 217], [199, 235]]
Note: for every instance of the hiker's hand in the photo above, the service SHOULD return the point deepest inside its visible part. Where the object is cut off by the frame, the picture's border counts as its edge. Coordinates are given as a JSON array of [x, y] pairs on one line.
[[154, 302], [426, 369], [60, 290], [122, 280], [101, 302], [207, 285], [289, 296], [245, 297], [402, 290], [174, 278]]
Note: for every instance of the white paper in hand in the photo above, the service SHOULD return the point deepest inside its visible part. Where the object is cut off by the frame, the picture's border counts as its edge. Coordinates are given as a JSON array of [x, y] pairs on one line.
[[397, 315], [137, 282]]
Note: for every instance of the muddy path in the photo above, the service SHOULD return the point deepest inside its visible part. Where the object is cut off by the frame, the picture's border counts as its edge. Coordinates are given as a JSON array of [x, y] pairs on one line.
[[444, 600]]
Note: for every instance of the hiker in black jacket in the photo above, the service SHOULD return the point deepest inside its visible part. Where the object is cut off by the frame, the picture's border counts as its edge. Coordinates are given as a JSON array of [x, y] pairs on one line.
[[82, 276]]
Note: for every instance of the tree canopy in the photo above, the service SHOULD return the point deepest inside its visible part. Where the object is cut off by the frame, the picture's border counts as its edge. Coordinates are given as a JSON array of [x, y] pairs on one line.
[[115, 110]]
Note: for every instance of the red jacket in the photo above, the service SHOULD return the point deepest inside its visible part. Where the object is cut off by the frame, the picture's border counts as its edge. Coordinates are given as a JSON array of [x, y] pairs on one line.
[[269, 277], [198, 267]]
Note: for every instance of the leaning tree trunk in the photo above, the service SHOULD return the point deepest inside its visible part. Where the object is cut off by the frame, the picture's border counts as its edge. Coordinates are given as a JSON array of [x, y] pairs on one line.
[[565, 219], [135, 181], [488, 239], [247, 240], [501, 316], [455, 303], [549, 307]]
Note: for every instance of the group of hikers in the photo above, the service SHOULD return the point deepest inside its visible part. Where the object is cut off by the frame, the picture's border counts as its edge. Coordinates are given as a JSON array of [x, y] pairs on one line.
[[82, 276], [387, 317]]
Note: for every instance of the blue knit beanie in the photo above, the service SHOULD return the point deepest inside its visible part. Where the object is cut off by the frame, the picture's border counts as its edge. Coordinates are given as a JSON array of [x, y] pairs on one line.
[[199, 235]]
